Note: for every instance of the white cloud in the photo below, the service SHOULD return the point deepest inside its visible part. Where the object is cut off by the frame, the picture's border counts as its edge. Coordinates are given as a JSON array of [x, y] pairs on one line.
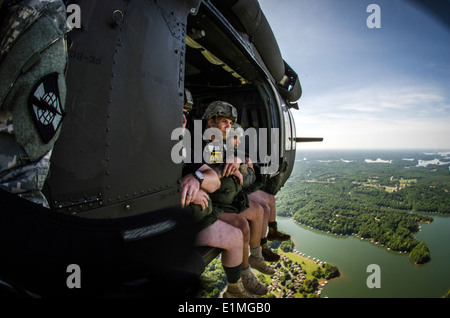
[[362, 88], [408, 134], [377, 117]]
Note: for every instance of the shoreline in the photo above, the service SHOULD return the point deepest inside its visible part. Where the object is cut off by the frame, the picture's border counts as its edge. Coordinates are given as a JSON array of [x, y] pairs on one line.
[[353, 267], [307, 263], [356, 236]]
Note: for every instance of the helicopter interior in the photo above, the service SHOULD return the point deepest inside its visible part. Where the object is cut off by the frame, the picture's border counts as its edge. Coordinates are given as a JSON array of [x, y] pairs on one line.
[[216, 68]]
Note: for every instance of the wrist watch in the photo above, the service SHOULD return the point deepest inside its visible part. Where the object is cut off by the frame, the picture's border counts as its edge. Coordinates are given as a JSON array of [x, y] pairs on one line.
[[199, 176]]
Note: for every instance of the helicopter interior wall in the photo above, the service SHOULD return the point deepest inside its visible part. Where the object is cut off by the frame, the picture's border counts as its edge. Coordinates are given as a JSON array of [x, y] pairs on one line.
[[208, 83], [250, 108], [229, 75], [97, 162]]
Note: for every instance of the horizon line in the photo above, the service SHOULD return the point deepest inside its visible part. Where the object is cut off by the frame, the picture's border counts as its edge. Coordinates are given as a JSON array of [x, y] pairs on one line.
[[384, 149]]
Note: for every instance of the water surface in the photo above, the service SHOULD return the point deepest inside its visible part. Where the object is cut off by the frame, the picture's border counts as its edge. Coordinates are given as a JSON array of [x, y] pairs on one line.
[[399, 276]]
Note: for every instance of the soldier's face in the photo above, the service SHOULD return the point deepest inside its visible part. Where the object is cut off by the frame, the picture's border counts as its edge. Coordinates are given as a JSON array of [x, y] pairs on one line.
[[237, 141], [224, 124]]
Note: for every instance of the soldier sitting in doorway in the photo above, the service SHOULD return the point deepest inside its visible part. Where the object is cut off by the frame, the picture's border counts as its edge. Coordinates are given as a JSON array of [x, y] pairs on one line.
[[266, 200], [199, 180], [230, 197]]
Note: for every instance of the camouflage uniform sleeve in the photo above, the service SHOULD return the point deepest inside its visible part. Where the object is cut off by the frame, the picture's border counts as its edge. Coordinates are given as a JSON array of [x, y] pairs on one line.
[[27, 180], [18, 174]]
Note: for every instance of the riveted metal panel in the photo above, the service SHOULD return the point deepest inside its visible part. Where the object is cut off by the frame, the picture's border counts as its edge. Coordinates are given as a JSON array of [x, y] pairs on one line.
[[125, 94]]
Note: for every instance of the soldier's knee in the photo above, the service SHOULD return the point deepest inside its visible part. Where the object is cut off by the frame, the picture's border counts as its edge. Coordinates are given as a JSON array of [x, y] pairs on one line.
[[266, 210], [245, 229], [236, 238], [259, 211]]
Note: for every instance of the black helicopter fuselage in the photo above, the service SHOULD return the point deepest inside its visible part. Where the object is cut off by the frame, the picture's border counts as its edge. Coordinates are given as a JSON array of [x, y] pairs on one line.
[[129, 65], [114, 189]]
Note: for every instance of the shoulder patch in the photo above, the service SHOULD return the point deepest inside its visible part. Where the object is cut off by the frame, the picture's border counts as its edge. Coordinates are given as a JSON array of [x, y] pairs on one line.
[[45, 106]]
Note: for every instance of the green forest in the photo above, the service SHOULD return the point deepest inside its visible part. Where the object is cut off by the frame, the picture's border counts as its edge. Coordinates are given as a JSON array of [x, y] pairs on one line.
[[384, 202], [378, 201], [295, 276]]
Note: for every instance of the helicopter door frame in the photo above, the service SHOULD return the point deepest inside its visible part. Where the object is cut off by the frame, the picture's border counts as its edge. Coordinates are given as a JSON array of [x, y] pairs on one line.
[[280, 117], [293, 130]]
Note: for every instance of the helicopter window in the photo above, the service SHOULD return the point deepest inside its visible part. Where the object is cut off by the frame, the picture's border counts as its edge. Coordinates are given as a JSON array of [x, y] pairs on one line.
[[288, 134], [294, 134]]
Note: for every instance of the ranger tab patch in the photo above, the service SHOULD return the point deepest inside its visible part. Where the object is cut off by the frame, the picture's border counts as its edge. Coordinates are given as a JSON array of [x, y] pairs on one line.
[[45, 105], [215, 154]]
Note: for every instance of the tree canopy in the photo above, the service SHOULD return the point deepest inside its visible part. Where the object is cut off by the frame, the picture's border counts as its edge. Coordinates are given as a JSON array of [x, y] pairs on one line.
[[381, 202]]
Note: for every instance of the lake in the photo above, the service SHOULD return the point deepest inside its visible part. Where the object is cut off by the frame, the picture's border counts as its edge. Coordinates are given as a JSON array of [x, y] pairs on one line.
[[399, 276]]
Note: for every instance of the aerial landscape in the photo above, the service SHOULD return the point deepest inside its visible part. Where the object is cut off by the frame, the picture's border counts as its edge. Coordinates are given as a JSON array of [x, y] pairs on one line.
[[382, 199], [187, 149]]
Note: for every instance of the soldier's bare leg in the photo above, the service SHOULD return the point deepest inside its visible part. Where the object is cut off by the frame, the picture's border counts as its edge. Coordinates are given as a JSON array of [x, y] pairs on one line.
[[265, 198], [269, 199], [225, 236], [254, 215], [238, 221]]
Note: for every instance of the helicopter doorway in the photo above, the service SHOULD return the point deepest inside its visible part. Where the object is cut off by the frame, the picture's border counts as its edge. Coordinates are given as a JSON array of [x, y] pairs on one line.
[[218, 68]]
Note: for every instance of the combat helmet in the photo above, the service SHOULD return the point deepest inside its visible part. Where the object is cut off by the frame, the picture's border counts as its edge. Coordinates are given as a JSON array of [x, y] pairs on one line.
[[220, 108]]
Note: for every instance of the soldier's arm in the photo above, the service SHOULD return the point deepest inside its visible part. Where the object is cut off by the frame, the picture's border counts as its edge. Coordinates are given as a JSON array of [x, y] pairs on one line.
[[211, 183], [190, 185], [219, 169]]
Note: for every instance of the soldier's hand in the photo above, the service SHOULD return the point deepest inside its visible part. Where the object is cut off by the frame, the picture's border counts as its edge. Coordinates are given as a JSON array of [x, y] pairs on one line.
[[201, 198], [189, 189], [239, 175], [249, 163], [231, 167]]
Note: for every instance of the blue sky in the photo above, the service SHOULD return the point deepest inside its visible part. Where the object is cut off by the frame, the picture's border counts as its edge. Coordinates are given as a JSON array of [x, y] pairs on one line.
[[366, 88]]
